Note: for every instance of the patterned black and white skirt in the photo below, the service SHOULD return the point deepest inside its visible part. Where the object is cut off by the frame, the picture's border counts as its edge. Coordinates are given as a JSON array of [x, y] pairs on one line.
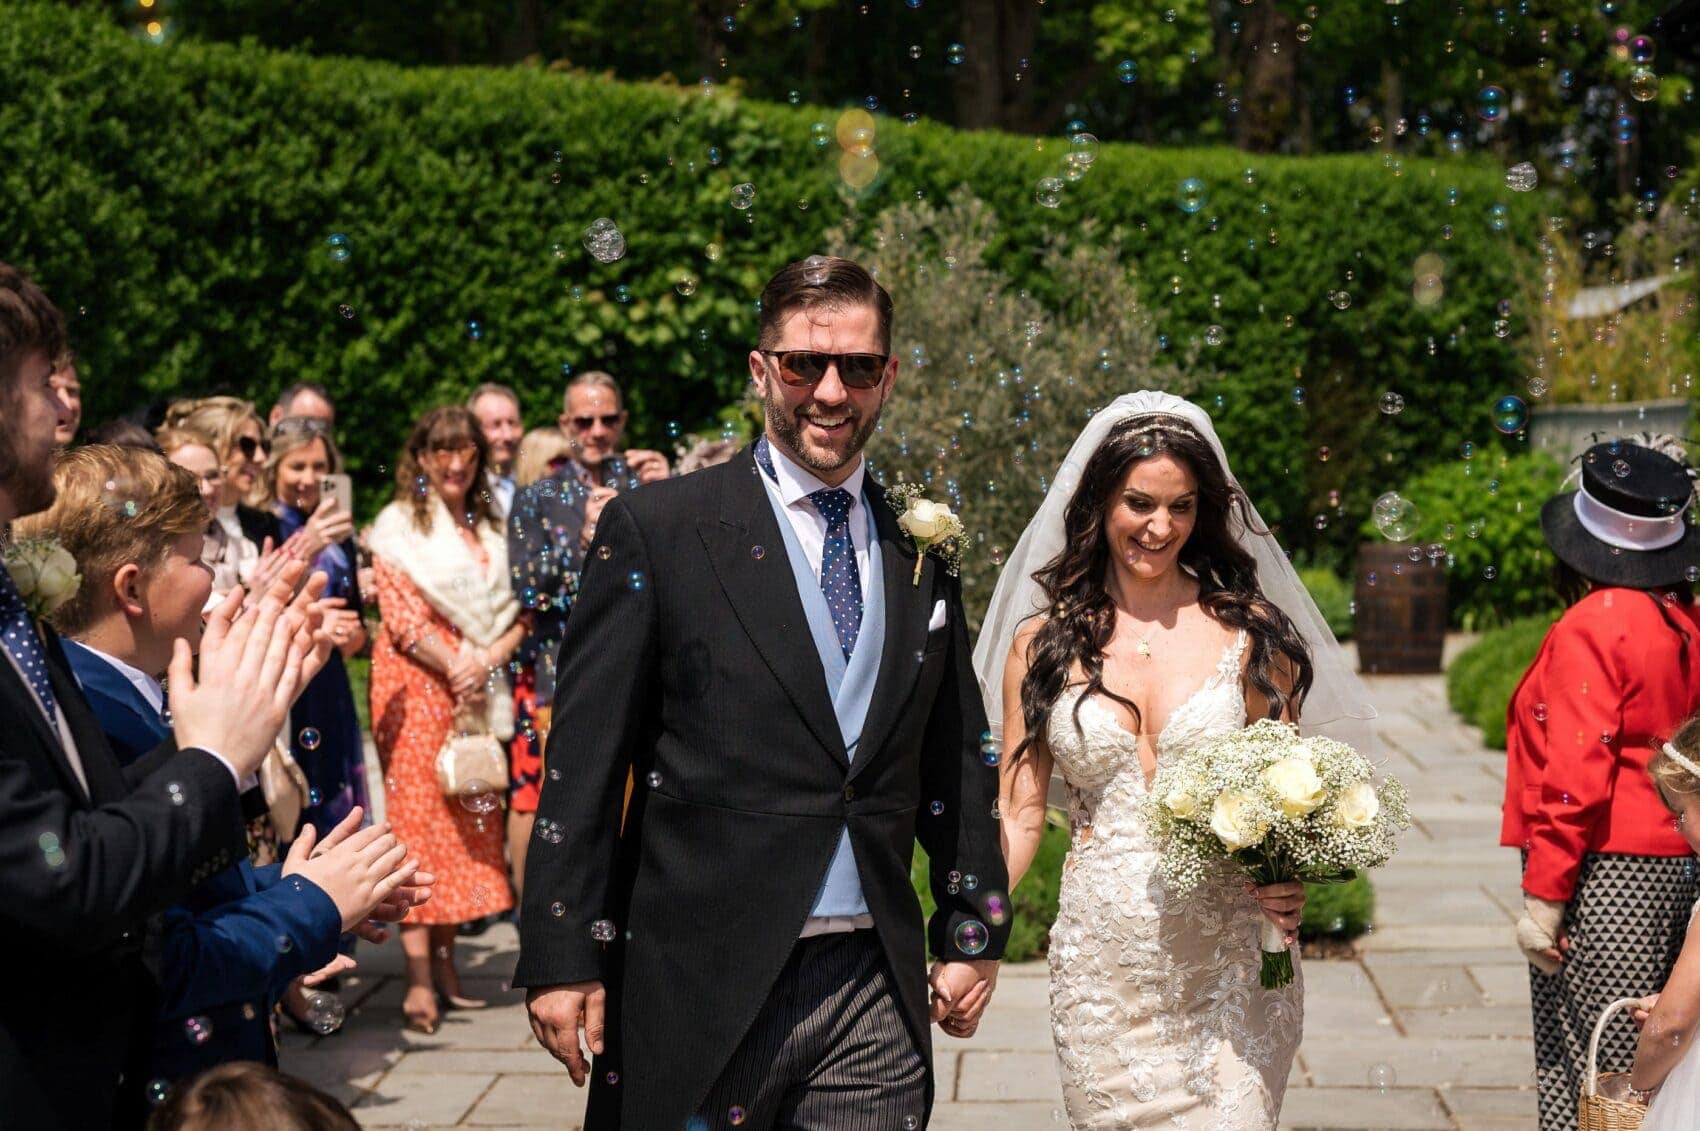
[[1626, 922]]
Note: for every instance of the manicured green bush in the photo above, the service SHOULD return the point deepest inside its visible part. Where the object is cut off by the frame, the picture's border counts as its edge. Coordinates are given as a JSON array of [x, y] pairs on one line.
[[1337, 911], [178, 200], [1485, 511], [1333, 597], [1482, 678], [1034, 902]]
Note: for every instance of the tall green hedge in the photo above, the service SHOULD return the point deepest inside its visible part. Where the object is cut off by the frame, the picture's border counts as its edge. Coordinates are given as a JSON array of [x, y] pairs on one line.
[[179, 199]]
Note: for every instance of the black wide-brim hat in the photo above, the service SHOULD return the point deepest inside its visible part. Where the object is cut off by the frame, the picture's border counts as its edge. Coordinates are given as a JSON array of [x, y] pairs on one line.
[[1628, 523]]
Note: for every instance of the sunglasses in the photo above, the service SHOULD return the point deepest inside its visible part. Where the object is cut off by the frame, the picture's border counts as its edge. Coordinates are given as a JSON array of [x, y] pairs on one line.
[[807, 367], [311, 425], [465, 453], [252, 448], [608, 420]]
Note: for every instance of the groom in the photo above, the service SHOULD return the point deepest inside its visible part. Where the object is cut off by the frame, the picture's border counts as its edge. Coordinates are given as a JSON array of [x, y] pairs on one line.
[[742, 945]]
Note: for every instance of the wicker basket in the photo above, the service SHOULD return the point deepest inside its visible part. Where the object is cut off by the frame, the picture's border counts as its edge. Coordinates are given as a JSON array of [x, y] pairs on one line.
[[1599, 1112]]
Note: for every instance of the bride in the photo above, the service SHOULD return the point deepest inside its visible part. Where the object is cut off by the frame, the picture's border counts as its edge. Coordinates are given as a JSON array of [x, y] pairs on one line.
[[1130, 624]]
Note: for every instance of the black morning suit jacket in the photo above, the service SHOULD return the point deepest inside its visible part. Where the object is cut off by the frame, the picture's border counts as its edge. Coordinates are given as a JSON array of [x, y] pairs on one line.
[[80, 874], [687, 655]]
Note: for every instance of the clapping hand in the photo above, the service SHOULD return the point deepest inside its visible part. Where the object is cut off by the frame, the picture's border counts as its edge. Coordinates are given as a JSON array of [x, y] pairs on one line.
[[358, 868], [254, 659], [960, 993], [329, 525]]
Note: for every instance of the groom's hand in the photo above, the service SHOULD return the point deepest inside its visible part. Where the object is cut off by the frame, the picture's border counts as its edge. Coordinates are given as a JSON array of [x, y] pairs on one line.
[[961, 992], [557, 1014]]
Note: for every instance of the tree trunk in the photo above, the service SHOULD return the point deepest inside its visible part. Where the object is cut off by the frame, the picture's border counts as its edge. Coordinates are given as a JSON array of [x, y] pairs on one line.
[[1266, 59], [979, 79]]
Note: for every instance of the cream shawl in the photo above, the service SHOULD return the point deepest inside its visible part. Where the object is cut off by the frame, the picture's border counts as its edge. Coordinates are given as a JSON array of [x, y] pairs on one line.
[[477, 600]]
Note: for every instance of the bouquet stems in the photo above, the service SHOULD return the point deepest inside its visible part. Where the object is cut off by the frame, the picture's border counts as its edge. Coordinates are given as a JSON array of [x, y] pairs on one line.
[[1277, 959]]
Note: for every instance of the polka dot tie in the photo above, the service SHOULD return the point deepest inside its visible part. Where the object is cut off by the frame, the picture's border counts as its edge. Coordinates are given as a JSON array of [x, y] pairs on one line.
[[839, 579], [17, 634]]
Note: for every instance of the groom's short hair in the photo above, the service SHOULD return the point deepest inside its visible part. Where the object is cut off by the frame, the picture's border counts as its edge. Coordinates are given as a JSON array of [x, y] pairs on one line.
[[28, 321], [821, 281]]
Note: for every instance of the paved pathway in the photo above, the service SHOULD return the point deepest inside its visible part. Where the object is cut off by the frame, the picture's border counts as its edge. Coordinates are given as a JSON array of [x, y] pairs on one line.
[[1428, 1028]]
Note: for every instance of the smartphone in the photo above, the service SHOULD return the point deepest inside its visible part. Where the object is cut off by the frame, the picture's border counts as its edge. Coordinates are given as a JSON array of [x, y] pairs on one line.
[[341, 488]]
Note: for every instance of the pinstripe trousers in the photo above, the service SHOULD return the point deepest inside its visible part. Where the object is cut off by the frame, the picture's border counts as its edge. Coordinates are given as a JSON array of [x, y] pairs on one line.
[[829, 1051]]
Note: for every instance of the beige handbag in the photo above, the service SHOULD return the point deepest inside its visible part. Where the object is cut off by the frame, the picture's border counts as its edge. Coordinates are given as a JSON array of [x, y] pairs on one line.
[[286, 790], [472, 760]]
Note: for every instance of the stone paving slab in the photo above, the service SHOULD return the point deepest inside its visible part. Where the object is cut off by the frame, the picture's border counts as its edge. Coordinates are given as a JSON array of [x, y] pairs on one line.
[[1429, 1062], [529, 1101], [400, 1101], [1000, 1076], [1395, 1109]]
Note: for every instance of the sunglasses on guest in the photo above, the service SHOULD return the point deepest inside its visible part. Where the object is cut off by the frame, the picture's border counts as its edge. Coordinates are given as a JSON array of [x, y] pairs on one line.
[[807, 367], [311, 425], [252, 448], [445, 455], [607, 420]]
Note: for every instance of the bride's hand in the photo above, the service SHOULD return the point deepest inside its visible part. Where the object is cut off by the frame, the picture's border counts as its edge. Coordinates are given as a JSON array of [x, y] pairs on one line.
[[1282, 905]]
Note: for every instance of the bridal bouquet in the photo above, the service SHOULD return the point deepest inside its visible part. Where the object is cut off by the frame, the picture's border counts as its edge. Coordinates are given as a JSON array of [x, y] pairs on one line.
[[1278, 807]]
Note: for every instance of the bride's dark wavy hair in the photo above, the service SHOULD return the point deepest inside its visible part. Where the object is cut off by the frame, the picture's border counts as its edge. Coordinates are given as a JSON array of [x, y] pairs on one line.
[[1081, 615]]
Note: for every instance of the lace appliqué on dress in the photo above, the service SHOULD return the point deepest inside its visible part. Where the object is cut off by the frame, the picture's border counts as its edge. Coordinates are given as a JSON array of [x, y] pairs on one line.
[[1156, 1010]]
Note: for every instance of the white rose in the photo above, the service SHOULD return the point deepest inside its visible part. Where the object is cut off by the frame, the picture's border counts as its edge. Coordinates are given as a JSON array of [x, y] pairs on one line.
[[23, 574], [56, 578], [1234, 821], [922, 518], [1181, 803], [1357, 807], [1293, 783]]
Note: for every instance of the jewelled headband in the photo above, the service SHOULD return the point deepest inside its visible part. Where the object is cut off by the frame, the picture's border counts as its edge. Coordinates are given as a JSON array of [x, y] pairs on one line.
[[1682, 760]]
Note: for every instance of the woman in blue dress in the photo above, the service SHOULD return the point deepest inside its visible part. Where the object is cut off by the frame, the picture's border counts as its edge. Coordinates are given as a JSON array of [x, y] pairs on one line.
[[325, 730]]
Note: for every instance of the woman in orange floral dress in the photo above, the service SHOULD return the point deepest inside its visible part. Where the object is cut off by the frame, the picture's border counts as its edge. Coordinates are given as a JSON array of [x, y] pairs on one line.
[[450, 626]]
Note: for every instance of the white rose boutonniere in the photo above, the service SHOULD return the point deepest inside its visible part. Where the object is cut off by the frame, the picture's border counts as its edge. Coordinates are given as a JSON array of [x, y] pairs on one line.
[[44, 572], [933, 526]]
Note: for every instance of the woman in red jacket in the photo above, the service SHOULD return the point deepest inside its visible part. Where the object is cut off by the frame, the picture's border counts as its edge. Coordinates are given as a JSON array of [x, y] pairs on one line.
[[1607, 880]]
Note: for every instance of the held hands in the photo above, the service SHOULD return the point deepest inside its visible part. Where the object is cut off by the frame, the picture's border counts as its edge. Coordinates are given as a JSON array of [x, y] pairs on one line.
[[254, 660], [558, 1013], [1283, 905], [1539, 936], [960, 993]]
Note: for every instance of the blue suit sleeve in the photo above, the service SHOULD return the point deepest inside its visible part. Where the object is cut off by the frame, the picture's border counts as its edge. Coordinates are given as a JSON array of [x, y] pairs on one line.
[[247, 948]]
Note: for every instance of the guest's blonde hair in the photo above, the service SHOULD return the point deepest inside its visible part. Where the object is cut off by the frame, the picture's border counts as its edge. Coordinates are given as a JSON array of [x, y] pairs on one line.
[[219, 419], [538, 449], [115, 505], [1675, 782], [176, 439], [288, 440]]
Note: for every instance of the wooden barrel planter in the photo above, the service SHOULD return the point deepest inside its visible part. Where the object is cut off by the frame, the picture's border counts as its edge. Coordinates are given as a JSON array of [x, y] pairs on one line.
[[1399, 621]]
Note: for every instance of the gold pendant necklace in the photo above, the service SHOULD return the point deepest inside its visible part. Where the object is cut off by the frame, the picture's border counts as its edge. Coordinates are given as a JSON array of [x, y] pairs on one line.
[[1144, 645]]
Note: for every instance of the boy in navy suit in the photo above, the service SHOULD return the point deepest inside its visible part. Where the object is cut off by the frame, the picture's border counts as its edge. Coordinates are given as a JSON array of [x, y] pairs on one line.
[[135, 522]]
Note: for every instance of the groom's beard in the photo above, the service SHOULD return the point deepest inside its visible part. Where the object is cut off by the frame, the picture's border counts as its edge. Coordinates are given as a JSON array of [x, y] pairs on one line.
[[788, 428]]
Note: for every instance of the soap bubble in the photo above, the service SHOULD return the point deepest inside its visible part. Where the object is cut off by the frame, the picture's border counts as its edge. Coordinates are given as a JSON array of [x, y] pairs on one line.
[[337, 247], [309, 738], [1382, 1076], [1492, 103], [603, 930], [1395, 517], [604, 240], [955, 54], [1510, 414], [1191, 196], [477, 797], [743, 195], [1521, 177], [1049, 192], [1127, 71], [971, 936], [325, 1013]]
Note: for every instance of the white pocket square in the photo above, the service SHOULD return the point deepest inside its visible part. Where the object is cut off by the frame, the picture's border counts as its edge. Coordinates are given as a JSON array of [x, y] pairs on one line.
[[938, 619]]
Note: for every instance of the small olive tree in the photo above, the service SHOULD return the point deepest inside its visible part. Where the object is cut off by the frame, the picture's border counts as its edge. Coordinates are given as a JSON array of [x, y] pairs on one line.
[[996, 383]]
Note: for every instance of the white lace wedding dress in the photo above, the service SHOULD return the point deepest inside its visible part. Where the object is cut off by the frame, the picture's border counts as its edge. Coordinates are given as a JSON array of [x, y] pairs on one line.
[[1156, 1010]]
